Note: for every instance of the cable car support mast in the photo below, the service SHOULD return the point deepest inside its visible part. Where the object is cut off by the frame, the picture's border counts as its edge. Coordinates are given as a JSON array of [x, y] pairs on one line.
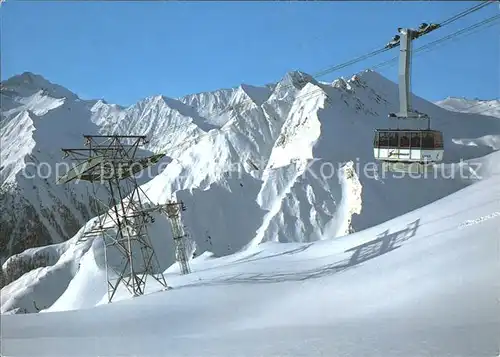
[[404, 40]]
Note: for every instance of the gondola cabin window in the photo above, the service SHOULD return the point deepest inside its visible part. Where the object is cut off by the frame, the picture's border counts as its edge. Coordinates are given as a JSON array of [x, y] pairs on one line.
[[438, 139], [427, 140], [415, 140], [424, 139], [404, 139]]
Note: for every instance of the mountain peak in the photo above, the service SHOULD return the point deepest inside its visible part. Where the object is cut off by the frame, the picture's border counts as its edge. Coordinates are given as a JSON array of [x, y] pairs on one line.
[[29, 83], [298, 79], [257, 94], [26, 79]]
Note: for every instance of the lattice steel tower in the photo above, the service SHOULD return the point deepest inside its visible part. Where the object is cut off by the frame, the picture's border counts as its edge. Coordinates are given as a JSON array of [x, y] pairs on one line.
[[173, 210], [111, 162]]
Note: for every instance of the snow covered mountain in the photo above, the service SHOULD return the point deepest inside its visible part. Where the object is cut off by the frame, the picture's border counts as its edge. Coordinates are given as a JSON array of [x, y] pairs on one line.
[[313, 126], [38, 118], [476, 106], [290, 162], [424, 283]]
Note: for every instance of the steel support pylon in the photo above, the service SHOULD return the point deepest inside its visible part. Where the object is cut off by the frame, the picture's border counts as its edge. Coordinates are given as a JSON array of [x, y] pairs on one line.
[[405, 41], [173, 210], [406, 110], [111, 162]]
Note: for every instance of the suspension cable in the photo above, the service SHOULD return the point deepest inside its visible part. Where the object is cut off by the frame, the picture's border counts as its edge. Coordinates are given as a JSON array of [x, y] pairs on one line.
[[358, 59], [467, 12], [429, 46]]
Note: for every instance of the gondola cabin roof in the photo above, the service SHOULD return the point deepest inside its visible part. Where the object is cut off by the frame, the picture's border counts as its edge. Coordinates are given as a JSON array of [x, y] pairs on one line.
[[407, 131]]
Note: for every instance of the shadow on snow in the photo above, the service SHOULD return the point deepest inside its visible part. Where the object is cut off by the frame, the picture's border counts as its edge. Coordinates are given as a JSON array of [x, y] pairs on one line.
[[384, 243]]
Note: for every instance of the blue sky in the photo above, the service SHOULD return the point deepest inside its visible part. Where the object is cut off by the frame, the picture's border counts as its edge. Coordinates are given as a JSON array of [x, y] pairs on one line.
[[125, 51]]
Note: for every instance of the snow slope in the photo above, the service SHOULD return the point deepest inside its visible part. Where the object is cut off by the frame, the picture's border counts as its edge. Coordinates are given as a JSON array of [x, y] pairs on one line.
[[424, 283], [248, 163]]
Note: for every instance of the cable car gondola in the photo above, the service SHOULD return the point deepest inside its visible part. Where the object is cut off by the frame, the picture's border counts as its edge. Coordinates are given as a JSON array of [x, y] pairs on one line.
[[408, 149], [402, 148]]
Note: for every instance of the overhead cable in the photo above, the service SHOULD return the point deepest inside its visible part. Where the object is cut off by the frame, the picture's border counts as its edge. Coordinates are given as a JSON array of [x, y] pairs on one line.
[[427, 47], [358, 59]]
